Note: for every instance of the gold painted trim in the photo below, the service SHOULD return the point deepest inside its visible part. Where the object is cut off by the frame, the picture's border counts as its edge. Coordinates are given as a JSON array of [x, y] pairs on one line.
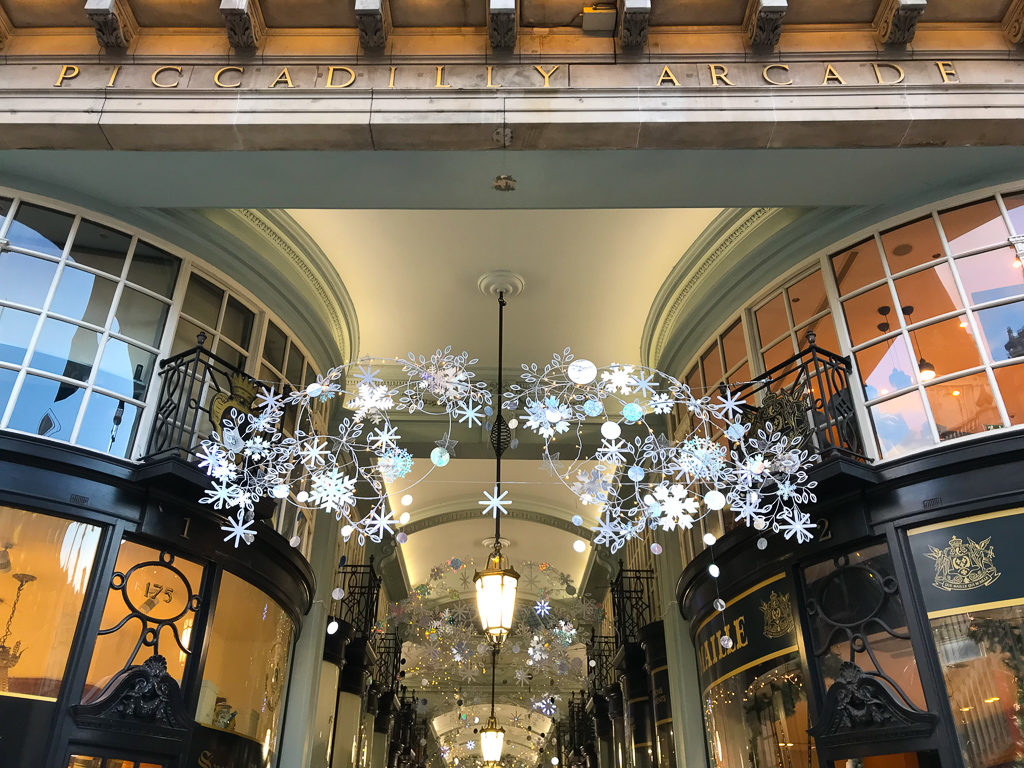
[[748, 665], [976, 607], [739, 597], [638, 698], [642, 743], [662, 668], [662, 722], [965, 520], [32, 696]]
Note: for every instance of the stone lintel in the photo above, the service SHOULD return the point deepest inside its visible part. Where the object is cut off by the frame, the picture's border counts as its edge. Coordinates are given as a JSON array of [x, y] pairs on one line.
[[502, 23], [1013, 22], [634, 22], [762, 23], [373, 18], [243, 21], [6, 28], [114, 21], [896, 20]]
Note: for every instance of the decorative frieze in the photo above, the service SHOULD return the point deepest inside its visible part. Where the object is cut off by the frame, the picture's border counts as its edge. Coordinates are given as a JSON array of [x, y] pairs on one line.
[[635, 20], [374, 23], [1013, 22], [114, 21], [502, 23], [896, 20], [243, 20], [762, 23]]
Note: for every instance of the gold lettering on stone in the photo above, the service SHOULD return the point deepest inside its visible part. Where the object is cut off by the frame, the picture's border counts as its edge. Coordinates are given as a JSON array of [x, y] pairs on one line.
[[947, 70], [440, 83], [113, 76], [330, 77], [546, 75], [285, 77], [490, 82], [67, 72], [719, 72], [879, 75], [667, 77], [831, 76], [391, 77], [155, 79], [767, 74], [220, 72]]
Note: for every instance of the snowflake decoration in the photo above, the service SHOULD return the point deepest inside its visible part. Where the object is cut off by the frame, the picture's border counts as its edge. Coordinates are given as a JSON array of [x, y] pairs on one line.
[[542, 608], [238, 528], [494, 503]]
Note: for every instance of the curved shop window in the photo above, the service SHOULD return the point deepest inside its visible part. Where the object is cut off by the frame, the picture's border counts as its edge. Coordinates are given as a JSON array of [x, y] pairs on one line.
[[753, 681], [246, 669], [45, 565], [972, 582], [82, 314]]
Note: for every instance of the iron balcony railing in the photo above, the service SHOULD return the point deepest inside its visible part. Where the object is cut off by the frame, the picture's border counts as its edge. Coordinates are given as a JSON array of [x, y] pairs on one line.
[[809, 396], [198, 389], [601, 651], [389, 660], [631, 603], [359, 605]]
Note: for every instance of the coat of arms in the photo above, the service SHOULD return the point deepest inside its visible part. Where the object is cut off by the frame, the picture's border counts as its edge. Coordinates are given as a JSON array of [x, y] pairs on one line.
[[778, 615], [963, 566]]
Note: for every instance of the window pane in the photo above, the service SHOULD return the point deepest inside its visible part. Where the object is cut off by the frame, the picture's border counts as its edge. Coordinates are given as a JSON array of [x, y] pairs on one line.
[[741, 375], [26, 279], [991, 275], [693, 381], [238, 322], [66, 349], [1015, 207], [140, 317], [273, 346], [157, 592], [734, 346], [108, 425], [771, 320], [807, 297], [711, 362], [100, 247], [858, 266], [870, 314], [778, 354], [912, 244], [901, 425], [295, 363], [154, 269], [125, 369], [5, 208], [310, 375], [885, 367], [947, 346], [15, 332], [246, 663], [232, 356], [40, 229], [58, 556], [83, 296], [186, 335], [46, 407], [1010, 380], [202, 301], [928, 293], [973, 226], [963, 406], [824, 331], [1002, 330], [7, 377]]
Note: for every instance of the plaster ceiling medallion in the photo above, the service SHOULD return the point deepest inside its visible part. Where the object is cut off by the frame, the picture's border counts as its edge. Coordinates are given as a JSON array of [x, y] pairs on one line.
[[501, 282]]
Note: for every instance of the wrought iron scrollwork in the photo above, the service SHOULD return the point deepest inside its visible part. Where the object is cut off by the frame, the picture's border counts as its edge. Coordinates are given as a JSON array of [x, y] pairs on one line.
[[362, 589], [600, 652], [631, 603], [138, 697]]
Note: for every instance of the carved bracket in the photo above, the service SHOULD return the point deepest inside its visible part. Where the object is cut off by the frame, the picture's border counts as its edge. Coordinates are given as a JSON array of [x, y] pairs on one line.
[[859, 708], [502, 23], [114, 21], [762, 23], [634, 21], [374, 22], [1013, 22], [6, 28], [139, 699], [896, 20], [243, 20]]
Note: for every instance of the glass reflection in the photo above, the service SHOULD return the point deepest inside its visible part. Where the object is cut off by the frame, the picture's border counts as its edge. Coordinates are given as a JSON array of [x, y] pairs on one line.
[[885, 368], [711, 362], [139, 316], [40, 229], [1010, 380], [46, 407], [928, 293], [83, 296], [858, 266], [108, 425], [911, 245], [901, 425], [1015, 208], [125, 369], [963, 406], [1002, 330], [26, 279], [734, 346], [16, 329], [772, 321], [991, 276], [153, 268], [870, 314], [974, 226], [100, 247], [947, 346], [66, 349], [807, 297]]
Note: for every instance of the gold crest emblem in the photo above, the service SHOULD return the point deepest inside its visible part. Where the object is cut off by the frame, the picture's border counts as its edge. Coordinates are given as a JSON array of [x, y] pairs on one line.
[[778, 615], [962, 566]]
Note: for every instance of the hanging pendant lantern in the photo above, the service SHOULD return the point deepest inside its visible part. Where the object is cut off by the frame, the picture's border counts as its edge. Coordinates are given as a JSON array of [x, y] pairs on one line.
[[496, 588], [492, 740]]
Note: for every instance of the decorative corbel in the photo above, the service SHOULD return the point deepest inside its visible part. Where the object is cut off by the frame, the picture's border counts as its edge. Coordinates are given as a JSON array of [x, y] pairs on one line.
[[634, 21], [1013, 22], [243, 20], [762, 23], [896, 20], [114, 21], [373, 18], [6, 28], [502, 23]]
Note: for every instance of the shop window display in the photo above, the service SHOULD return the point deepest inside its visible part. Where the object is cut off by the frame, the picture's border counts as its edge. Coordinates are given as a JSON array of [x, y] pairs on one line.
[[45, 566]]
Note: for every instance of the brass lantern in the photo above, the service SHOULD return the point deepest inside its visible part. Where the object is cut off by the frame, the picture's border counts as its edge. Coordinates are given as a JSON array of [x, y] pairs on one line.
[[492, 739], [496, 587]]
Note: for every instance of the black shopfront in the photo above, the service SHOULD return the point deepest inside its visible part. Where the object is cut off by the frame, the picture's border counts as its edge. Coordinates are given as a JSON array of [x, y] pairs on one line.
[[894, 638], [133, 634]]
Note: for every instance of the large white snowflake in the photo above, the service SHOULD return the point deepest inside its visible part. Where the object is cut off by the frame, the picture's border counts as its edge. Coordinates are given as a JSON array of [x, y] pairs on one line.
[[239, 529], [333, 490], [494, 503], [619, 378]]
